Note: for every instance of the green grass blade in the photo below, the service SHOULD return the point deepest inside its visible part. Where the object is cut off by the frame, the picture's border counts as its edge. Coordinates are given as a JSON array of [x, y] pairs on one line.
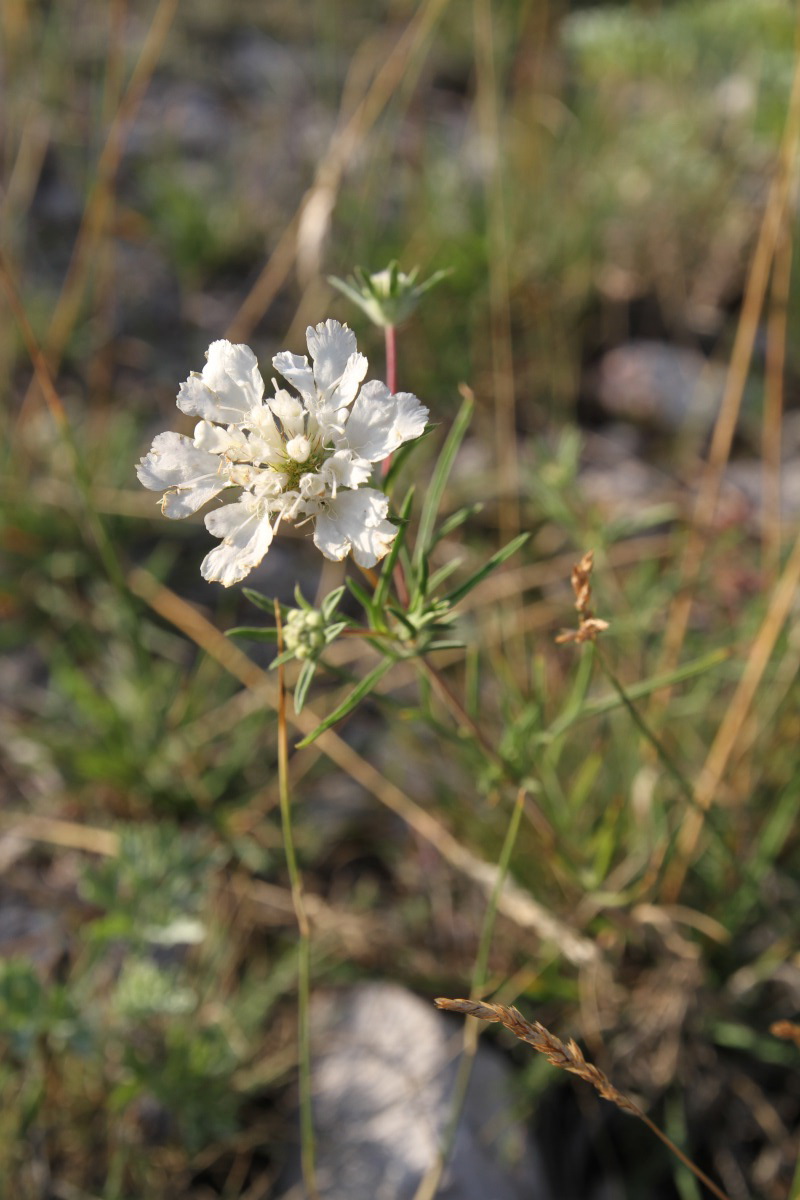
[[441, 474], [636, 691]]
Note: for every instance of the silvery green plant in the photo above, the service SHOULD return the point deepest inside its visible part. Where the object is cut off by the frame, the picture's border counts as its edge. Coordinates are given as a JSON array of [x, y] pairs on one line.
[[323, 452]]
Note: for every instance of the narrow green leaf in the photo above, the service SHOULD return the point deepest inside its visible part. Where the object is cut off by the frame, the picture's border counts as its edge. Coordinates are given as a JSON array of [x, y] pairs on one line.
[[438, 577], [303, 683], [637, 691], [500, 557], [403, 619], [281, 659], [400, 457], [349, 703], [255, 633], [262, 602], [363, 597], [441, 474], [455, 520], [301, 600], [382, 590], [331, 601]]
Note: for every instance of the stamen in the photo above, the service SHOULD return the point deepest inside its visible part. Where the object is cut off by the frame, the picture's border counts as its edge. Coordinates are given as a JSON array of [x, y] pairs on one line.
[[278, 425]]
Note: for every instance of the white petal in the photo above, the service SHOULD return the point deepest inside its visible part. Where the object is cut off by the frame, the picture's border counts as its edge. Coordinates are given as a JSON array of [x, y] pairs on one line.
[[346, 389], [229, 386], [216, 440], [190, 477], [355, 521], [246, 538], [379, 422], [296, 371], [288, 410], [330, 345], [345, 470]]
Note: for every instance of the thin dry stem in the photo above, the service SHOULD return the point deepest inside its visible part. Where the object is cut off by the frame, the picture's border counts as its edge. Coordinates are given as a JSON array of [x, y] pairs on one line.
[[787, 1031], [724, 744], [567, 1056], [741, 356], [95, 216], [316, 206], [773, 398]]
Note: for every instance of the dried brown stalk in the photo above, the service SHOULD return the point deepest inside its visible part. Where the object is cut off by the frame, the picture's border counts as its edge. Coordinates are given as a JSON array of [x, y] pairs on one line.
[[789, 1031], [588, 624], [568, 1056]]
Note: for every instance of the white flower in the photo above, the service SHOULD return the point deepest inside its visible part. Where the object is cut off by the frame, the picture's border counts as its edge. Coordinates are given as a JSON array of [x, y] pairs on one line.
[[296, 457]]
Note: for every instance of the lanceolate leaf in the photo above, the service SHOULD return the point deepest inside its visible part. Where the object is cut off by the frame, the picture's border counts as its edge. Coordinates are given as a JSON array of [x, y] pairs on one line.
[[349, 703], [513, 546], [441, 474], [255, 633], [262, 602], [382, 590], [303, 683]]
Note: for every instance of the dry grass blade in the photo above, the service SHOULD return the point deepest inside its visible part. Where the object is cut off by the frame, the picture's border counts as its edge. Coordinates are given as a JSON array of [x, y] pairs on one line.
[[316, 207], [95, 216], [567, 1056], [729, 732], [741, 356]]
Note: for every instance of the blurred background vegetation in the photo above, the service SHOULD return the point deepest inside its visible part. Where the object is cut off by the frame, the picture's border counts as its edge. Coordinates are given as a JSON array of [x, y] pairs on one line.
[[597, 177]]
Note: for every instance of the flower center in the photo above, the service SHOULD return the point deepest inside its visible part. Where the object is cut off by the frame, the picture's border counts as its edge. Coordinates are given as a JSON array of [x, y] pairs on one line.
[[295, 468]]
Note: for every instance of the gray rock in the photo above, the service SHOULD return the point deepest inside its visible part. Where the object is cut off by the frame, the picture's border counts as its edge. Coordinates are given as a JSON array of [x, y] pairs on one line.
[[666, 387], [746, 478], [385, 1065]]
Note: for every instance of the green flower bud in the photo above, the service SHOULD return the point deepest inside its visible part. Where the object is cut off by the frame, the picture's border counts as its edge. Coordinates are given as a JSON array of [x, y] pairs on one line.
[[388, 297]]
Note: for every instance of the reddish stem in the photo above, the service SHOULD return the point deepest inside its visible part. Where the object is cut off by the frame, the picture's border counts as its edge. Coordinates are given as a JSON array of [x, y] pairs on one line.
[[391, 375], [390, 334], [391, 357]]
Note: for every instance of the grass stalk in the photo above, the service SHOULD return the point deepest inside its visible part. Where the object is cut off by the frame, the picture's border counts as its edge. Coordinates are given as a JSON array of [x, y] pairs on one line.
[[773, 399], [569, 1057], [304, 939]]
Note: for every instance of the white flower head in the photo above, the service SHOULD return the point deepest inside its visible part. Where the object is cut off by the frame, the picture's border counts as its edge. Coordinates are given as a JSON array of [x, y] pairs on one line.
[[301, 455]]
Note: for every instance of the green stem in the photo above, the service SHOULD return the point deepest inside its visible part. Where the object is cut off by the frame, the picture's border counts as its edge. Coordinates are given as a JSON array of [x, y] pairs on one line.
[[304, 942]]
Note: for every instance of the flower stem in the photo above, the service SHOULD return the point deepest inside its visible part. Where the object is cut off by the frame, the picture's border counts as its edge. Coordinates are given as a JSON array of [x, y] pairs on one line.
[[304, 942], [390, 335]]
